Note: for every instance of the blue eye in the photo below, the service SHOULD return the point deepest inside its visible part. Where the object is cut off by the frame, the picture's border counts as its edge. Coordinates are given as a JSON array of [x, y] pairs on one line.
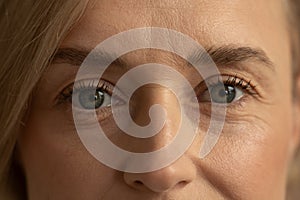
[[225, 93], [222, 94], [88, 94], [91, 99]]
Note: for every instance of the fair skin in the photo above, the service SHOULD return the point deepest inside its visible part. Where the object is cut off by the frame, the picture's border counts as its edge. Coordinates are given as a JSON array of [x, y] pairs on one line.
[[251, 158]]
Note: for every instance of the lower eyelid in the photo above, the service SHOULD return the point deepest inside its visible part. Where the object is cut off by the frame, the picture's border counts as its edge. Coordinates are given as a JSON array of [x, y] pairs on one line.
[[101, 113], [240, 103], [233, 110]]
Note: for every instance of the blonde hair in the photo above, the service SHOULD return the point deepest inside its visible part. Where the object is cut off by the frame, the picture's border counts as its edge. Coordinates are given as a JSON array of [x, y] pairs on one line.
[[30, 33]]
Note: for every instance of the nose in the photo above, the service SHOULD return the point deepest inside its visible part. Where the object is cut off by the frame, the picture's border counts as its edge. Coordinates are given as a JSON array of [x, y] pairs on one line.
[[179, 173], [175, 176]]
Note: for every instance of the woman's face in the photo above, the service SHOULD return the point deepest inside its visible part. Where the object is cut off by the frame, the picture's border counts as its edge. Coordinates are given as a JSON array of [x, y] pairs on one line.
[[249, 42]]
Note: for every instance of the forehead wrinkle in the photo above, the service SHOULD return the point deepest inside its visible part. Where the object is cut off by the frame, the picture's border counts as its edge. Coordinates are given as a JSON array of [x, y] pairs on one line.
[[150, 4]]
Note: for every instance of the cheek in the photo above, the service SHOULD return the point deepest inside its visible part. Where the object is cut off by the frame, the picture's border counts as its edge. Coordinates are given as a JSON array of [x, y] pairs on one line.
[[56, 163], [250, 158]]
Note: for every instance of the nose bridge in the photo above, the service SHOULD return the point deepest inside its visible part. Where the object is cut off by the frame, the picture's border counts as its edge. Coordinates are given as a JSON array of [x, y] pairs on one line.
[[179, 173], [149, 95]]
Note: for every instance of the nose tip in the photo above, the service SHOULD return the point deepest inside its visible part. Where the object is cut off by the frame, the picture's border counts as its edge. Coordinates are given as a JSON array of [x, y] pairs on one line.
[[175, 176]]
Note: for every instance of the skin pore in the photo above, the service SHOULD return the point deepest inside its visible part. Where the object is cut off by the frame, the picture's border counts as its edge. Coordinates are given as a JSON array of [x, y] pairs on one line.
[[250, 159]]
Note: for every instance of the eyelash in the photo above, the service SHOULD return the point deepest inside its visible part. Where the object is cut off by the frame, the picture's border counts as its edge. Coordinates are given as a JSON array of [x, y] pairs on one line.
[[66, 94], [235, 81]]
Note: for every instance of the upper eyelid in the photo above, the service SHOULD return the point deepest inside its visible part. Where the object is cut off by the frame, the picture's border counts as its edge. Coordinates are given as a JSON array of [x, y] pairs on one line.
[[204, 85], [92, 83], [107, 86], [67, 91]]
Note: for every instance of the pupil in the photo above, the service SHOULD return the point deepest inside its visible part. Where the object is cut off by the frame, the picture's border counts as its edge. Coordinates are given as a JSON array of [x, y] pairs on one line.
[[230, 92], [98, 98]]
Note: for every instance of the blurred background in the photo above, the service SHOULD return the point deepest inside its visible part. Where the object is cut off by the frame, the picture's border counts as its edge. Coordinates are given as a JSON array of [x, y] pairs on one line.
[[293, 188]]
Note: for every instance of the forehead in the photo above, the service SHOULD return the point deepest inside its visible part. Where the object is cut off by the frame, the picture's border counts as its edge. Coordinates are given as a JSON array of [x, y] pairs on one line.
[[191, 16], [211, 23]]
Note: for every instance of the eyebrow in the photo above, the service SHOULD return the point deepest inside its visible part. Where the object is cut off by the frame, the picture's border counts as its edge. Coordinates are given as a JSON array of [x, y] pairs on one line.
[[223, 56]]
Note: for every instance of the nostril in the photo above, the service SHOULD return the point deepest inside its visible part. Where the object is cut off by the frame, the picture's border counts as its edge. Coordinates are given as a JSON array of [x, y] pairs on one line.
[[182, 184], [175, 176], [137, 182]]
